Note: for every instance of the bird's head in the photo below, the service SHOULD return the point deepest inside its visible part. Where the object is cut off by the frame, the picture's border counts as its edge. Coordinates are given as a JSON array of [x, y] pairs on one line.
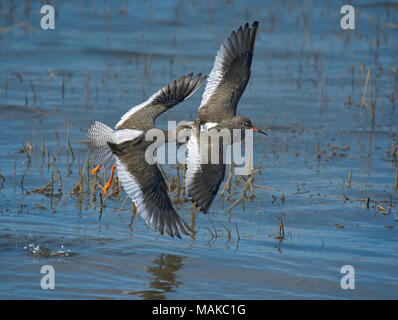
[[246, 123]]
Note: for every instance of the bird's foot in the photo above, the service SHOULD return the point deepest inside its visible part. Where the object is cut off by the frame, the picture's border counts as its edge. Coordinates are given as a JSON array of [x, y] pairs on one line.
[[108, 184], [94, 171]]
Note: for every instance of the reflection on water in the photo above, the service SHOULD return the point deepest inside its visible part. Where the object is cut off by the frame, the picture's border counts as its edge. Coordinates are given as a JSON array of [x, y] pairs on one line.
[[162, 277], [304, 214]]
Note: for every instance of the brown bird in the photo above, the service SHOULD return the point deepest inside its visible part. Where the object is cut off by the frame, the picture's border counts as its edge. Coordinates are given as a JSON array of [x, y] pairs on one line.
[[124, 149], [225, 85]]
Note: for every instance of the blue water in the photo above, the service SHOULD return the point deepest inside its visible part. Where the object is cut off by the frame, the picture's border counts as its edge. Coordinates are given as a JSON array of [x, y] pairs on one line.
[[104, 57]]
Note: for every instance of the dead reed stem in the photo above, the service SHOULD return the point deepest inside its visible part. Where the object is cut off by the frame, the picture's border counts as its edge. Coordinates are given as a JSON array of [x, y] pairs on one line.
[[121, 208], [363, 102], [101, 206], [42, 148], [134, 208], [67, 143]]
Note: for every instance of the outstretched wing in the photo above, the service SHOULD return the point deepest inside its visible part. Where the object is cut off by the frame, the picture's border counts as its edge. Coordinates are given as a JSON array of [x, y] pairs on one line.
[[203, 179], [145, 185], [229, 76], [145, 114]]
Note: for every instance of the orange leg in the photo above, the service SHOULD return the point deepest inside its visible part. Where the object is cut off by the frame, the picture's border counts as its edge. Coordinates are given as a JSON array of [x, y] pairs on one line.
[[108, 184], [94, 171]]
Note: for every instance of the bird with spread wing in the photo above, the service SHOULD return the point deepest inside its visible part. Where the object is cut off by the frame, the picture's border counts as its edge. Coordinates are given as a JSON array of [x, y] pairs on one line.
[[123, 149], [225, 85]]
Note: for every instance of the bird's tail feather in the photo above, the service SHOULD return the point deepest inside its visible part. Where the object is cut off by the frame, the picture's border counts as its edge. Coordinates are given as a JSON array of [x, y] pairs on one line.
[[98, 137]]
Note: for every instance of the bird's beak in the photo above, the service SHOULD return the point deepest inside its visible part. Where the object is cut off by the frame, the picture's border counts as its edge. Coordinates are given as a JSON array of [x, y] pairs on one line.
[[258, 130]]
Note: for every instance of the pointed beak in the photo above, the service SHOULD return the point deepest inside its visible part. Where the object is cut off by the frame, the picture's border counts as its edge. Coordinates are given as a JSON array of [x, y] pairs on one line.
[[258, 130]]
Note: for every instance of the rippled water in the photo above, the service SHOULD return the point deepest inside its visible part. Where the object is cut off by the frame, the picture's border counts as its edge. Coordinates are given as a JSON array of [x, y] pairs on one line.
[[307, 87]]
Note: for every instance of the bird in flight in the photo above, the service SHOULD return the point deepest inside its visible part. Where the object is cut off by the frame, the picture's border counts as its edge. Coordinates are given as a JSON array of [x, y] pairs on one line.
[[225, 85], [123, 149]]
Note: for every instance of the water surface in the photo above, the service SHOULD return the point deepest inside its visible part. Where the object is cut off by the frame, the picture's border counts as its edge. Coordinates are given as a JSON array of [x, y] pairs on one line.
[[307, 87]]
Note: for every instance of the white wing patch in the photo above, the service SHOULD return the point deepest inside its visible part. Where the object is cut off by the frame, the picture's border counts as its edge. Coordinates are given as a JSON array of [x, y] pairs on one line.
[[133, 110], [120, 136], [215, 76], [193, 159], [207, 126], [133, 189]]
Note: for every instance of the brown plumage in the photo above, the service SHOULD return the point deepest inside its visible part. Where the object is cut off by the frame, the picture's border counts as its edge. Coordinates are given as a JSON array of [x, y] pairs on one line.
[[229, 77], [144, 115], [125, 147], [145, 184], [225, 85]]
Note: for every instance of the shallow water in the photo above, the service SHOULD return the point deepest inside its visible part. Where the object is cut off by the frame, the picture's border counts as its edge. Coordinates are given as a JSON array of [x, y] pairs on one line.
[[103, 58]]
